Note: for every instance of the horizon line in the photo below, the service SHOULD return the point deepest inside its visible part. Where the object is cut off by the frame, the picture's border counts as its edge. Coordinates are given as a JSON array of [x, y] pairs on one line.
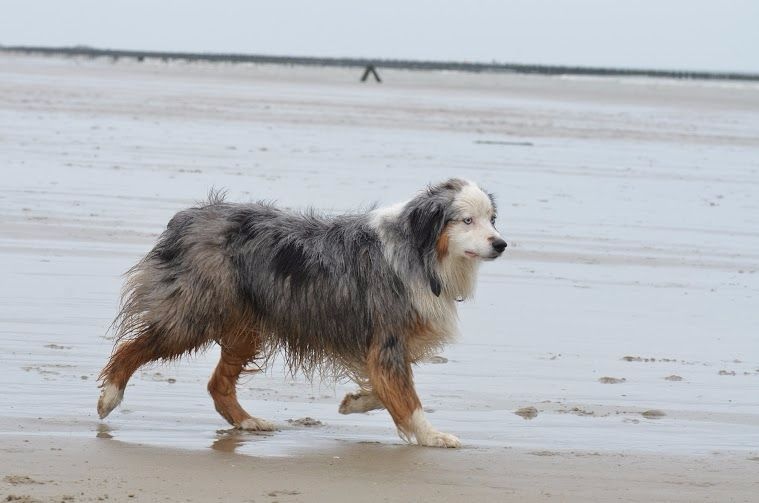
[[401, 64]]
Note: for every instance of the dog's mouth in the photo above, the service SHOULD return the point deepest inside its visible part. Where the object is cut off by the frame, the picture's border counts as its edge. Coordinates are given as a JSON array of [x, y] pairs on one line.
[[471, 254], [493, 256]]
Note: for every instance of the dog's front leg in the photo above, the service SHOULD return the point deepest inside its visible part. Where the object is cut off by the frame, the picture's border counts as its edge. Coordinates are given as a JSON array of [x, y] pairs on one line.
[[392, 380], [361, 401]]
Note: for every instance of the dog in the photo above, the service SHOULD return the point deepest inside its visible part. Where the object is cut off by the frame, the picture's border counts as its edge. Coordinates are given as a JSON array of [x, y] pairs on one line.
[[363, 296]]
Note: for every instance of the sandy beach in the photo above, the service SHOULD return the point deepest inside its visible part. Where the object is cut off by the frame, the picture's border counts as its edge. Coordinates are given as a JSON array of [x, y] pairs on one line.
[[611, 355]]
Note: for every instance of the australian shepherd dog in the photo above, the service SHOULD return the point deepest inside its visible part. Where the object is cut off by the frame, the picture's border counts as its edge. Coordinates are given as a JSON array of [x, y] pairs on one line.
[[363, 296]]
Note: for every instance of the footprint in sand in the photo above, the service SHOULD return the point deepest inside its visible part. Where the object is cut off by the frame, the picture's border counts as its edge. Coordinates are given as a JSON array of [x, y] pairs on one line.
[[611, 380]]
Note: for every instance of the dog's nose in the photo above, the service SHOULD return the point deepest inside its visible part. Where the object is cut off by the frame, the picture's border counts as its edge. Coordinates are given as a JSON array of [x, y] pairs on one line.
[[499, 245]]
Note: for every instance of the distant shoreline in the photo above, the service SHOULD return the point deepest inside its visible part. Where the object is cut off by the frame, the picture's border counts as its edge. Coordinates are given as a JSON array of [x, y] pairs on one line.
[[400, 64]]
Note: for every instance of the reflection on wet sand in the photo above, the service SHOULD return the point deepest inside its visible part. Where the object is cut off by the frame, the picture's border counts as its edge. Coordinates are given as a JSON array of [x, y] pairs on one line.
[[232, 439], [103, 431]]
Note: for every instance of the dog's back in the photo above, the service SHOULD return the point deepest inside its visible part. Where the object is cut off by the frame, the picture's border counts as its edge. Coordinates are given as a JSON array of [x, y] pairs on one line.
[[316, 287]]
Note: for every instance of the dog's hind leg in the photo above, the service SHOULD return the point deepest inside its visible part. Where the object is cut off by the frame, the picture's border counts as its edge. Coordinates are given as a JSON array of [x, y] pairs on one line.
[[392, 380], [125, 360], [223, 384]]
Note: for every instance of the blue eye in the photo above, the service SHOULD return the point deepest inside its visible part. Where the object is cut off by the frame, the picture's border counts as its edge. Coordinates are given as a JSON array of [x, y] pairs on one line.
[[467, 220], [492, 220]]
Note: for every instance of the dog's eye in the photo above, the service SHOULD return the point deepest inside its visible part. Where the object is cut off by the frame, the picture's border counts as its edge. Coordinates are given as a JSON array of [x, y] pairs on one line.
[[492, 220], [467, 220]]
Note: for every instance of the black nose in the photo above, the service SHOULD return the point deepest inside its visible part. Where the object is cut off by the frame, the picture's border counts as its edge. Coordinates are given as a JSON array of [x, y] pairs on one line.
[[499, 245]]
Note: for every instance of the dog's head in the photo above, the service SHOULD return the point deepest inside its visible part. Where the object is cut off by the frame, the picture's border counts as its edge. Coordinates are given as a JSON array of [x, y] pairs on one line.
[[453, 220]]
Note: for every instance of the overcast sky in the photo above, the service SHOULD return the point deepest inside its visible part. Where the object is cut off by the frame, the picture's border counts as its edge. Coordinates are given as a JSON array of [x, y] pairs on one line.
[[662, 34]]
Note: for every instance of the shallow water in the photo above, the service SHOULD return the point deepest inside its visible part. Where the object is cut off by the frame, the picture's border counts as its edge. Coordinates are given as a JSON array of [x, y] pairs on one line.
[[630, 208]]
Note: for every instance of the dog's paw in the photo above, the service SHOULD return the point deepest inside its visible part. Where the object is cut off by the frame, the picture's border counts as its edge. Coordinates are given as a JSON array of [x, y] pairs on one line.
[[110, 397], [256, 424], [347, 406], [359, 402], [435, 438]]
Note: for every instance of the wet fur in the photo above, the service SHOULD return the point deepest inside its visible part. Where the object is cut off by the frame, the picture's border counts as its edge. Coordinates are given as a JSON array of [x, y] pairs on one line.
[[363, 295]]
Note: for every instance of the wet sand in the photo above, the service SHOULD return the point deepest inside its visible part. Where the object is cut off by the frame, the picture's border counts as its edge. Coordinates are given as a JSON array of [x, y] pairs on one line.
[[54, 468], [610, 355]]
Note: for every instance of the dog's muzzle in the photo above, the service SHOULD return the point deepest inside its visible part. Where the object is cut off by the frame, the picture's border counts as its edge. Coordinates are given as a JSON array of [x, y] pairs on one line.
[[499, 245]]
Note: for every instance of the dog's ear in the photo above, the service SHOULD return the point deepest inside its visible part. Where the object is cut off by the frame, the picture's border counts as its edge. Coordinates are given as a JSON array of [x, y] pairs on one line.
[[426, 220]]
